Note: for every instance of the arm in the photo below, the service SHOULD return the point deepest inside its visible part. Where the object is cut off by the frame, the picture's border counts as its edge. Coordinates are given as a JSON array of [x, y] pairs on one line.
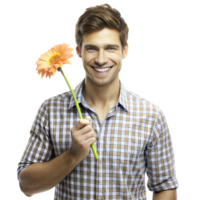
[[165, 195], [40, 177], [161, 161]]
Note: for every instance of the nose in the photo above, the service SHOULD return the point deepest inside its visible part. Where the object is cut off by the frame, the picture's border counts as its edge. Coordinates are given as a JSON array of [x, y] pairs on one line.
[[101, 58]]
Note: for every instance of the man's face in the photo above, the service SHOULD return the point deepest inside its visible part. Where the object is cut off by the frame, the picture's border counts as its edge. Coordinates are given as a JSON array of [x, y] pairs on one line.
[[102, 50]]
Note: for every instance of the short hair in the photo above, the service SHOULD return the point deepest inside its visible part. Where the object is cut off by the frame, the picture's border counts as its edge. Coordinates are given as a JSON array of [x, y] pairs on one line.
[[99, 17]]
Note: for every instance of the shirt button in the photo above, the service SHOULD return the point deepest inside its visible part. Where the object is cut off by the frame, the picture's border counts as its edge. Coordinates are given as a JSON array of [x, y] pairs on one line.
[[95, 117]]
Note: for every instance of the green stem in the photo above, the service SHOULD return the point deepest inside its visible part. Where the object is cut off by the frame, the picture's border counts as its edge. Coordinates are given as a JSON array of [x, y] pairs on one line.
[[78, 108]]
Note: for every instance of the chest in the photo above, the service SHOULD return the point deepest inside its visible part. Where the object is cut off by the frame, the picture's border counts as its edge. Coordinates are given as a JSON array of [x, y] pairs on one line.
[[102, 113], [118, 137]]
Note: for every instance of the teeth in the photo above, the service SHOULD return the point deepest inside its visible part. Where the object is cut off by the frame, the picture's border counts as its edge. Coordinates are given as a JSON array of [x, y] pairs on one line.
[[102, 70]]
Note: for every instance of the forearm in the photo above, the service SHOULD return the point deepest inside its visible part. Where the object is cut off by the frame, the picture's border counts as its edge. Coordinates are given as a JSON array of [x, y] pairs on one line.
[[165, 195], [40, 177]]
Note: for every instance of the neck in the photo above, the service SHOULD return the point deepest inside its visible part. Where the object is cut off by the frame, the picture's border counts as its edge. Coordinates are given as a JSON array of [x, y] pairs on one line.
[[101, 96]]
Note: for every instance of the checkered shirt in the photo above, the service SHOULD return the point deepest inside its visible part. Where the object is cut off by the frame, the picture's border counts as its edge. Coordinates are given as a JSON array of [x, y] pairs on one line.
[[133, 139]]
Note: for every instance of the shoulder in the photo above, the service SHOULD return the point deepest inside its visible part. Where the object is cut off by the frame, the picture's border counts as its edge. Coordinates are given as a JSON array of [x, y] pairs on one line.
[[139, 103], [61, 100], [52, 103]]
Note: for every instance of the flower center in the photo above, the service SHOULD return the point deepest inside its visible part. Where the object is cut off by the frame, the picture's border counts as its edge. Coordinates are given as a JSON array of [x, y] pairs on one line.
[[53, 58]]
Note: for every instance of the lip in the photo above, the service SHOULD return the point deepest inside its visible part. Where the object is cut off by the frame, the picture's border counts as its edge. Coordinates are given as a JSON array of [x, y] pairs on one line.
[[102, 67], [101, 73]]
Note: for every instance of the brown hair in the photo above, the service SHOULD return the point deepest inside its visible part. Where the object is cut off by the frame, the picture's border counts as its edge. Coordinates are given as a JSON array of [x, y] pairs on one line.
[[99, 17]]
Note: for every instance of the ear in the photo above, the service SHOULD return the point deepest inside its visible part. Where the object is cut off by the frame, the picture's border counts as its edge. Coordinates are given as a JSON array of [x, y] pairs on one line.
[[125, 51], [78, 52]]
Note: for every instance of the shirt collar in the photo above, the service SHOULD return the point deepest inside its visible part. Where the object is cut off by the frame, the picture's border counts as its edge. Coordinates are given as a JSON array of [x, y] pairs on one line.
[[123, 99]]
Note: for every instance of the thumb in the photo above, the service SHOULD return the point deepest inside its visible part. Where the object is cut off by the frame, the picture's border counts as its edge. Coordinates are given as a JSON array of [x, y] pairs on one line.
[[88, 118]]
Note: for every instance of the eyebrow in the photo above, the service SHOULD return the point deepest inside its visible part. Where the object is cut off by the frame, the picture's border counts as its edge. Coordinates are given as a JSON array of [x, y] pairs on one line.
[[108, 45]]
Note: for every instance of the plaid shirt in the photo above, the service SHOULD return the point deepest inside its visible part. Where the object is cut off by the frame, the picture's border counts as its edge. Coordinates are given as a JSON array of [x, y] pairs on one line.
[[134, 138]]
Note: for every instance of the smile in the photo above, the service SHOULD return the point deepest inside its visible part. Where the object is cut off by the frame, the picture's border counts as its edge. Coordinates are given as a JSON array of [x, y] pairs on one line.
[[100, 69]]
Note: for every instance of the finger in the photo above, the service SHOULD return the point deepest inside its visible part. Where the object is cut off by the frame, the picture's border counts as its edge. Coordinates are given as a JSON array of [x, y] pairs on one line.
[[81, 123], [88, 118]]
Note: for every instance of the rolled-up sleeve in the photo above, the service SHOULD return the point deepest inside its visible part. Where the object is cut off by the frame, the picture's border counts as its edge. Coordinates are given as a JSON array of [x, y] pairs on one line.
[[39, 147], [160, 163]]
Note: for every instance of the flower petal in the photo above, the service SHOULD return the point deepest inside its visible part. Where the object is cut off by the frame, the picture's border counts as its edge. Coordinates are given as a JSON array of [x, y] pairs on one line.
[[53, 70], [43, 66], [40, 62], [42, 73], [62, 51], [69, 63]]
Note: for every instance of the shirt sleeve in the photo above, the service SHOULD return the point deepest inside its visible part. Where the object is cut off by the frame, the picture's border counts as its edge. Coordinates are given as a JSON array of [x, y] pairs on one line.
[[39, 147], [160, 163]]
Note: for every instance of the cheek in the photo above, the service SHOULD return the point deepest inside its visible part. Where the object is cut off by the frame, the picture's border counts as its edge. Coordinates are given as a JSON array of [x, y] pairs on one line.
[[88, 58], [115, 58]]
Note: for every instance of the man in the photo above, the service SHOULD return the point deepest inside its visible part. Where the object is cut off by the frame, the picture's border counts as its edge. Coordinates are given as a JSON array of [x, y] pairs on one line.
[[130, 134]]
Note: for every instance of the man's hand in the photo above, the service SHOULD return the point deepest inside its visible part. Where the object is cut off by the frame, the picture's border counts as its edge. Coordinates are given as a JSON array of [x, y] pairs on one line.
[[83, 135]]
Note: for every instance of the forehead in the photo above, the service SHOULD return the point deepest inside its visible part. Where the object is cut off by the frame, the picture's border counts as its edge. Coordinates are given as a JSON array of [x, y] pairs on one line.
[[101, 38]]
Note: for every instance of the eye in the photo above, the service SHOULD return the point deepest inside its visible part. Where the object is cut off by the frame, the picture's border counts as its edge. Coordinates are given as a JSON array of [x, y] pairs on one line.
[[91, 49], [111, 48]]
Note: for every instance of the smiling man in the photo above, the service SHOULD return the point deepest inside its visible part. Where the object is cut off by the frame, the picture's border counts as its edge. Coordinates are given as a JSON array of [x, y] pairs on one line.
[[130, 133], [102, 55]]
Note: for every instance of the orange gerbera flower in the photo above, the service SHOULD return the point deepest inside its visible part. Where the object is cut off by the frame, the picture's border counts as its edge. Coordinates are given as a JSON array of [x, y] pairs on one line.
[[49, 62]]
